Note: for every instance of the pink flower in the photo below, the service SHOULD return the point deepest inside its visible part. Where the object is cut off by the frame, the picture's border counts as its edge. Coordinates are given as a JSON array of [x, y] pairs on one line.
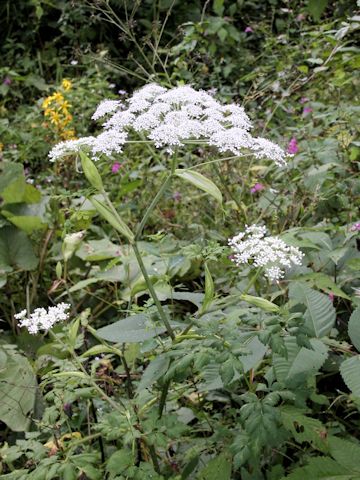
[[331, 297], [7, 81], [303, 100], [355, 227], [116, 167], [293, 146], [248, 30], [300, 17], [307, 110], [257, 188], [176, 196]]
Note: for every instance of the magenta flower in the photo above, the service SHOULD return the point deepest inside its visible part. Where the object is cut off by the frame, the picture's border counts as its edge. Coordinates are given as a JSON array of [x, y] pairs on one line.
[[331, 297], [248, 30], [7, 81], [307, 110], [303, 100], [293, 146], [116, 167], [257, 188], [355, 227]]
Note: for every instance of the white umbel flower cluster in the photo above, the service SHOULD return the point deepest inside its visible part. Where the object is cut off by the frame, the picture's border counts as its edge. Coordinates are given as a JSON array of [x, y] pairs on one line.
[[271, 253], [42, 319], [171, 118]]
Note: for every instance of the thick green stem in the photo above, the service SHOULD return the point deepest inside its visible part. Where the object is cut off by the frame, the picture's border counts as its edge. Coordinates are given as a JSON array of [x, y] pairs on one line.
[[151, 289], [152, 205]]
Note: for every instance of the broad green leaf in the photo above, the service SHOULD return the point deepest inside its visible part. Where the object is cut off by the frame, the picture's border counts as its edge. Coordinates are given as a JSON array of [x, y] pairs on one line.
[[119, 462], [345, 453], [320, 313], [218, 468], [114, 221], [133, 329], [218, 7], [31, 194], [16, 250], [316, 8], [354, 328], [27, 223], [350, 372], [12, 182], [98, 250], [91, 172], [257, 350], [156, 369], [200, 182], [18, 388], [324, 282], [321, 468], [303, 428], [301, 363]]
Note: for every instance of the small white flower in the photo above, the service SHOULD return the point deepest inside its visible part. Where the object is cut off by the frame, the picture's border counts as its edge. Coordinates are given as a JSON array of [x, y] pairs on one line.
[[170, 118], [41, 319], [271, 253]]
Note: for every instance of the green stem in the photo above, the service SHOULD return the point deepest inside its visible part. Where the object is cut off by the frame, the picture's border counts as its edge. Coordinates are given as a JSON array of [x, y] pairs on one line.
[[152, 206], [151, 289]]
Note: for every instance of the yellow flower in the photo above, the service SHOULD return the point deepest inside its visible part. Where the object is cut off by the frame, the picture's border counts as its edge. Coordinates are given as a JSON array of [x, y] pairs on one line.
[[58, 97], [55, 117], [66, 84]]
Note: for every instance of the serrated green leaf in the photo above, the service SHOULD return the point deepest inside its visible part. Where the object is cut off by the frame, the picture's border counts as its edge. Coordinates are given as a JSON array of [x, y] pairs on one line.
[[350, 372], [345, 453], [201, 182], [219, 467], [316, 8], [354, 328], [321, 468], [320, 313], [156, 369], [304, 428], [18, 388]]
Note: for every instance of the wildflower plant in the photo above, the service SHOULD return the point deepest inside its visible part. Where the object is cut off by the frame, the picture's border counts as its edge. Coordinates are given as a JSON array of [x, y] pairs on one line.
[[42, 319], [272, 254], [57, 110], [172, 118]]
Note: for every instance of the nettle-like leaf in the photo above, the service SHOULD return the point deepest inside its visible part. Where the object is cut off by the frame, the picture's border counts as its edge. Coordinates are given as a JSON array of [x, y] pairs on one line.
[[323, 468], [320, 314], [350, 372], [18, 388], [219, 467], [303, 428], [354, 328], [300, 363]]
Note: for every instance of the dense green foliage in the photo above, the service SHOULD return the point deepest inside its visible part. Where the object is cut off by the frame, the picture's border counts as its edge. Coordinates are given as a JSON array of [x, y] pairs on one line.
[[175, 363]]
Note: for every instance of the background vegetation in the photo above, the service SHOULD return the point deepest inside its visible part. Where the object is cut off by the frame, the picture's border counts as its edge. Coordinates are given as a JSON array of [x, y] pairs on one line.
[[258, 386]]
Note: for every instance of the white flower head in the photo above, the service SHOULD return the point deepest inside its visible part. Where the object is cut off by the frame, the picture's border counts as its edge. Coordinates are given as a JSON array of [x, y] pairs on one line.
[[172, 118], [42, 319], [271, 253]]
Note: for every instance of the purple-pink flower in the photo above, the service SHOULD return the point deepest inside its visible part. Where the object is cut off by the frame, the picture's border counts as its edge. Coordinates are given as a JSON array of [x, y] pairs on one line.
[[307, 110], [176, 196], [303, 100], [257, 188], [116, 167], [293, 146], [355, 227], [331, 297], [248, 30], [7, 81]]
